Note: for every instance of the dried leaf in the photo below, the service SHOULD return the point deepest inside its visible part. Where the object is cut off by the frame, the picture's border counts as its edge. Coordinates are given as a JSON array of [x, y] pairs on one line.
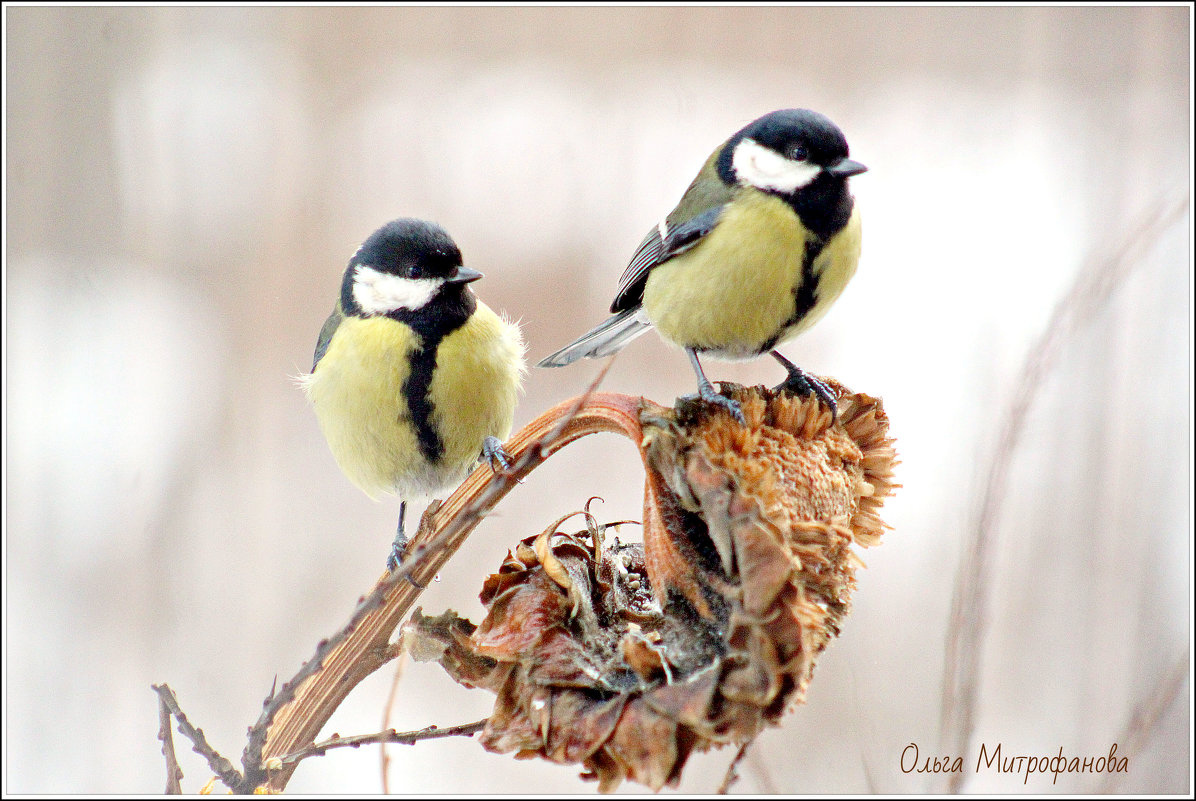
[[627, 658]]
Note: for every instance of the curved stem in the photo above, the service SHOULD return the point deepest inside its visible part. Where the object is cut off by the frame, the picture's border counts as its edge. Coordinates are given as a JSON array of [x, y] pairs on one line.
[[363, 645]]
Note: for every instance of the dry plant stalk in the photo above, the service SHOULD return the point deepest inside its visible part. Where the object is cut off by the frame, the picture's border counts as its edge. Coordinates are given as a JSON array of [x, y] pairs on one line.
[[294, 717], [627, 658]]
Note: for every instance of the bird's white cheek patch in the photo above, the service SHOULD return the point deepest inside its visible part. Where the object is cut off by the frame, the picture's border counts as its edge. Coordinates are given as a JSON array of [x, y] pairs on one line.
[[381, 293], [765, 168]]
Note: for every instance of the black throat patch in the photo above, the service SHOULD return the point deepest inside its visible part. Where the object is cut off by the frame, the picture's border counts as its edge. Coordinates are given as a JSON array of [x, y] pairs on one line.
[[824, 206], [443, 315]]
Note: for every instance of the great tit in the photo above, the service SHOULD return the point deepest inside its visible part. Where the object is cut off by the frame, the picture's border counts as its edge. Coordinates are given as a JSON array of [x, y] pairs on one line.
[[414, 379], [761, 243]]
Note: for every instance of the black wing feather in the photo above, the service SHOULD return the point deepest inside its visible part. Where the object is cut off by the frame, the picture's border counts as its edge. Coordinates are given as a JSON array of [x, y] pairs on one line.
[[655, 250], [631, 284]]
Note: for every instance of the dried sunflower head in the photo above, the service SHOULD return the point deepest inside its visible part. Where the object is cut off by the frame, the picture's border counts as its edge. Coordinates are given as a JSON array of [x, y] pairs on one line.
[[627, 658]]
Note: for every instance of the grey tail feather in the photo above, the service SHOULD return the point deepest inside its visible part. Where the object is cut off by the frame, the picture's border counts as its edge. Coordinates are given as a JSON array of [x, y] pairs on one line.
[[603, 340]]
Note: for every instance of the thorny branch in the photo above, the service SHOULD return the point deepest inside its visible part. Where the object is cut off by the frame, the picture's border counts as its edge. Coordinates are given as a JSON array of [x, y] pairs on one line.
[[732, 774], [174, 774], [293, 713], [219, 765], [251, 758], [389, 736], [363, 644]]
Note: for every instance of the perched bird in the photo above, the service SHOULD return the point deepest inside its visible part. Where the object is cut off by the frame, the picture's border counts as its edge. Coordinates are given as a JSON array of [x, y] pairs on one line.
[[761, 243], [414, 379]]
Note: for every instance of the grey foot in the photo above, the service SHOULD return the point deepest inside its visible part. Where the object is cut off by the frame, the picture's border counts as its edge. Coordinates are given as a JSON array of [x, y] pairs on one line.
[[494, 453]]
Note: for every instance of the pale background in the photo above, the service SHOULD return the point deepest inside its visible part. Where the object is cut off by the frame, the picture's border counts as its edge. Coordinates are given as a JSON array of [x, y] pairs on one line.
[[184, 187]]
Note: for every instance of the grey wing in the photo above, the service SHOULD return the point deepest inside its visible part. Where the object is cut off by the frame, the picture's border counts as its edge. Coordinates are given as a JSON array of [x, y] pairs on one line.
[[604, 339], [330, 325], [661, 244]]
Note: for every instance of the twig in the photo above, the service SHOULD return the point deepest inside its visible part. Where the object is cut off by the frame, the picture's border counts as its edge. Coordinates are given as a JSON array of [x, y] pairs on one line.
[[363, 645], [732, 775], [383, 754], [382, 737], [219, 765], [368, 652], [251, 758], [761, 773], [968, 626], [1145, 719], [174, 774]]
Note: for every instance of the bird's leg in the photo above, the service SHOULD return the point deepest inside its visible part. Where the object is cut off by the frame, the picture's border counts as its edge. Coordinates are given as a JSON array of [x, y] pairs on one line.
[[802, 383], [494, 453], [399, 549], [706, 390]]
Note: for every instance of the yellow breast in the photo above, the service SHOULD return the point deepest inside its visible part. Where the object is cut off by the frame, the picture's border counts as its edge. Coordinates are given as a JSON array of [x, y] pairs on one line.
[[734, 293], [357, 392], [834, 267], [474, 388]]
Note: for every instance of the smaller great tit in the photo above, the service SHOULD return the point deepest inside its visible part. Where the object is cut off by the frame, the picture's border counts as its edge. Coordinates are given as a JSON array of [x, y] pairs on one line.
[[761, 243], [414, 379]]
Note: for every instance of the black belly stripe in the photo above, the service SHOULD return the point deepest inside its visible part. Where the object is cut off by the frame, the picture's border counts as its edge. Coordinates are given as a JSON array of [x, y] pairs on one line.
[[416, 390], [805, 294], [443, 315], [824, 208]]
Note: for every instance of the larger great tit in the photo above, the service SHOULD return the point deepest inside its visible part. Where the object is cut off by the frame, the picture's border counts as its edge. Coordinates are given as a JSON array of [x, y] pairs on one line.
[[414, 379], [763, 241]]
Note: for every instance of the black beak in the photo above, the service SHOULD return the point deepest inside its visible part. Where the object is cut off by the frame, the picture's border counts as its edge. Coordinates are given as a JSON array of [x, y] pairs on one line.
[[463, 275], [846, 168]]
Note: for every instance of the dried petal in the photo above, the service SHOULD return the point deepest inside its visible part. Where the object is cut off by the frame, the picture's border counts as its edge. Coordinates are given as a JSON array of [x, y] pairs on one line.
[[629, 658]]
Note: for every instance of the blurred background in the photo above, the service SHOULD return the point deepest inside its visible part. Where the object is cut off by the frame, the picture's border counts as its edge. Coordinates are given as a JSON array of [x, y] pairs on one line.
[[185, 186]]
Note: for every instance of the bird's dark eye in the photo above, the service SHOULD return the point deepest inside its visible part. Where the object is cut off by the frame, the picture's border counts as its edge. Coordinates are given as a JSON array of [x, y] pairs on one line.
[[798, 153], [415, 271]]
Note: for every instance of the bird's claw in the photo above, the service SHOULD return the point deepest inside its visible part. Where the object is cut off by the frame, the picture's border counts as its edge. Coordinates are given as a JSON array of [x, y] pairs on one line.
[[494, 453], [398, 550], [800, 382], [731, 405], [706, 390]]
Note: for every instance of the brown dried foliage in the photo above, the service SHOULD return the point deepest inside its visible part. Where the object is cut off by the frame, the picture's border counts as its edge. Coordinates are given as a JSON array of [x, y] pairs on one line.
[[627, 658]]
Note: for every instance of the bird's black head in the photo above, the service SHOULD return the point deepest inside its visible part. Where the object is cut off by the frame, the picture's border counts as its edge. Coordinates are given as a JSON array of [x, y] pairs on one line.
[[402, 267], [410, 248], [799, 155], [799, 134]]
